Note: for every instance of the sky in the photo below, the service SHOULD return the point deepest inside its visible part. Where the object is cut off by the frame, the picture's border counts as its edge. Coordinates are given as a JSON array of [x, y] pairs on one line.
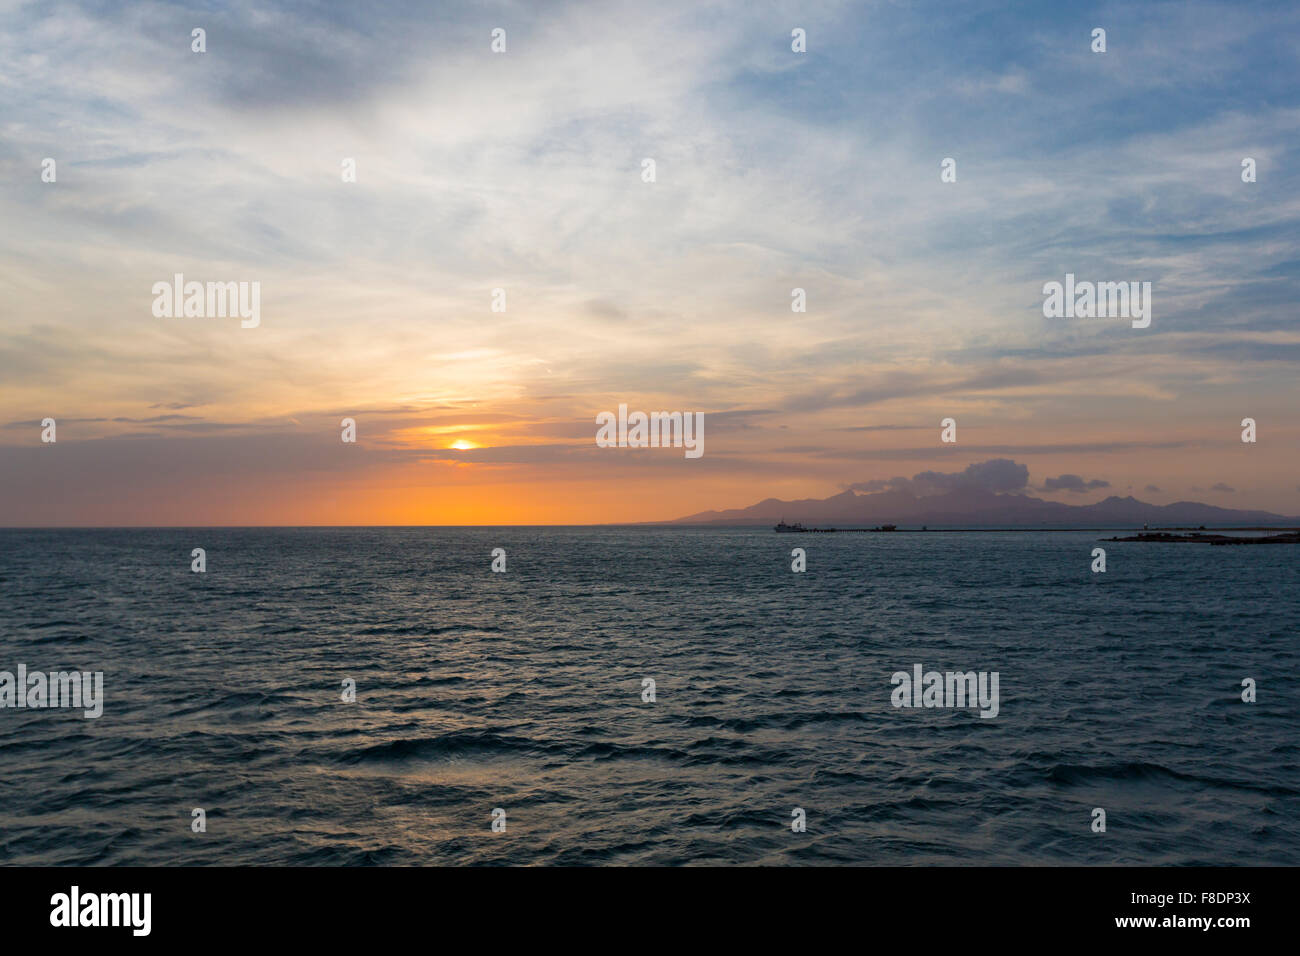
[[523, 171]]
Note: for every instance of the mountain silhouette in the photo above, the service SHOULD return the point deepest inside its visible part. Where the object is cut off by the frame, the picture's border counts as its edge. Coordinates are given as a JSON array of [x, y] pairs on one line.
[[979, 508]]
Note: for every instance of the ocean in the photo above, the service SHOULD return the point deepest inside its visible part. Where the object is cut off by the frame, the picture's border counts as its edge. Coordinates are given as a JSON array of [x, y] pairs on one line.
[[523, 692]]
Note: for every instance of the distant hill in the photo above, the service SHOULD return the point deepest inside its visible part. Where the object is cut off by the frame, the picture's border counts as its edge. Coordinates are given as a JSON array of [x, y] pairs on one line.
[[977, 508]]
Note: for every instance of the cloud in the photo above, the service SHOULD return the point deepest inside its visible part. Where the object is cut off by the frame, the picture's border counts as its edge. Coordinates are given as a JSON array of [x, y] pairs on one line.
[[1154, 489], [882, 428], [1072, 483], [1014, 82], [876, 484], [602, 309], [1220, 486], [998, 475], [522, 171]]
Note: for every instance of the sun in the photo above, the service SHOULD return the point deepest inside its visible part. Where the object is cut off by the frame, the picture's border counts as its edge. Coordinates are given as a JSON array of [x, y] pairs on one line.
[[462, 445]]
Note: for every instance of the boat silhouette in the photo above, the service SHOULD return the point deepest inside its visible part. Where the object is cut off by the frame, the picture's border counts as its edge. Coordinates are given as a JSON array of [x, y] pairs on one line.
[[783, 527]]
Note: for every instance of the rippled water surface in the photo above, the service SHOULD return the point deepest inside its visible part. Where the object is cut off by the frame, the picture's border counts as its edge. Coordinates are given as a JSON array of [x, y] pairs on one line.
[[523, 691]]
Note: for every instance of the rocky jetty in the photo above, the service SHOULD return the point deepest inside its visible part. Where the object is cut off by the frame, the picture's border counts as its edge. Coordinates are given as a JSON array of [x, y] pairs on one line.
[[1160, 537]]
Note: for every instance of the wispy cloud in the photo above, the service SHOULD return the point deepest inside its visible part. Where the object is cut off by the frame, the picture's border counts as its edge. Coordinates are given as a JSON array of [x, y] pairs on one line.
[[775, 170]]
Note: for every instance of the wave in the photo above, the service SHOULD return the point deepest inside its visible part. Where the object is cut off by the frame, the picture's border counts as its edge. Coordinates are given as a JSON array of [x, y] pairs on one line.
[[1068, 774]]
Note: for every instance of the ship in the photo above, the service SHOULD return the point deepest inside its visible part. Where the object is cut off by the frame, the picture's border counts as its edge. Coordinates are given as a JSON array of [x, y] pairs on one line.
[[782, 526]]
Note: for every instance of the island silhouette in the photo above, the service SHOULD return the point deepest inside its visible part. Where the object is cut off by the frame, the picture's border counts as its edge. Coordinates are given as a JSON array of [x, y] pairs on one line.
[[977, 508]]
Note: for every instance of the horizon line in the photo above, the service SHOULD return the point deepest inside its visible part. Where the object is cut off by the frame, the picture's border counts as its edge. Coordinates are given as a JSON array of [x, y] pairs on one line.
[[1292, 522]]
